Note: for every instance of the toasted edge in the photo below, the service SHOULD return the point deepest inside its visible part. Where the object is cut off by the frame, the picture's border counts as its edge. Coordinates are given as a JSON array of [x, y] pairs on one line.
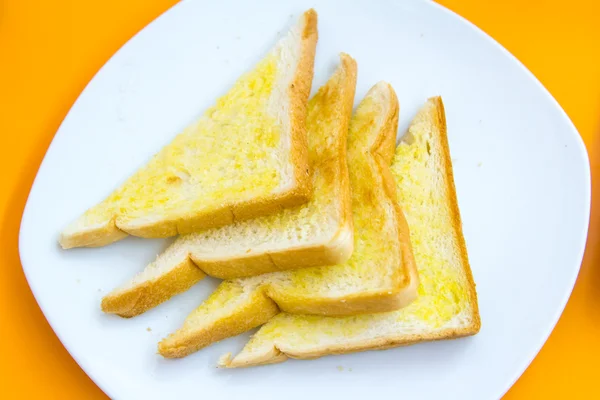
[[255, 312], [440, 122], [383, 152], [150, 294], [277, 355]]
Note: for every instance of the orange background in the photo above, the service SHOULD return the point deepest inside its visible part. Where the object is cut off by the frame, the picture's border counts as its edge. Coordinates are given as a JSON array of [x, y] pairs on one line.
[[49, 50]]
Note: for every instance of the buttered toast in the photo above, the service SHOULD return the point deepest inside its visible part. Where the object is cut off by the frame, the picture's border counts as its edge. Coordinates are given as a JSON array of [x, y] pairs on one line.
[[316, 233], [379, 276], [447, 303], [245, 157]]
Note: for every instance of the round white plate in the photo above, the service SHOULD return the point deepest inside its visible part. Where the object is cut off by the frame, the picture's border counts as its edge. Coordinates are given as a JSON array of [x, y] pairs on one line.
[[522, 179]]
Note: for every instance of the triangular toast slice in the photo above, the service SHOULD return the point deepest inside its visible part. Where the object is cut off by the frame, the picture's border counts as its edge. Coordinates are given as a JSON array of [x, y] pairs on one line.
[[316, 233], [447, 304], [245, 157], [379, 276]]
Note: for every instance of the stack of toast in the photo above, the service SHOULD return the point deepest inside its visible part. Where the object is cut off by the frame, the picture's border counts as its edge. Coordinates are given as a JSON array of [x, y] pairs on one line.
[[326, 233]]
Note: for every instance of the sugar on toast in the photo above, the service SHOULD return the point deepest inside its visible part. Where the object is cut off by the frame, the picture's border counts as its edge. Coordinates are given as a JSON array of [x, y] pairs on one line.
[[245, 157], [447, 303]]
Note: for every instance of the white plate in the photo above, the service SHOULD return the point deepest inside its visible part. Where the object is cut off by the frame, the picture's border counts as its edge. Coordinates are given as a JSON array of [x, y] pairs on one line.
[[521, 170]]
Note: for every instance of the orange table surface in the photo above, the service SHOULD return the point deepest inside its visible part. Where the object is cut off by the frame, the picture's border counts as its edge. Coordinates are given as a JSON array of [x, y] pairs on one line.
[[49, 50]]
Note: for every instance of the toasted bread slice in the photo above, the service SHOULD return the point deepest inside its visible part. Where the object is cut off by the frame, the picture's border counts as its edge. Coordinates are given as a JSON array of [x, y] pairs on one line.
[[379, 276], [317, 233], [447, 304], [246, 157]]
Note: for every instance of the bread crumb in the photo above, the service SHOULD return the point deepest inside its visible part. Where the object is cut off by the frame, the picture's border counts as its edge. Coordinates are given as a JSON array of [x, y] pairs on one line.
[[343, 300], [238, 37], [218, 47], [149, 329], [78, 280], [340, 368], [99, 290], [422, 34], [389, 292]]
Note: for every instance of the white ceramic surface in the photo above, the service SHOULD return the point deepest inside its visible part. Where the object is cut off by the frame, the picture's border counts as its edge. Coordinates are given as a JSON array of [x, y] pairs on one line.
[[522, 178]]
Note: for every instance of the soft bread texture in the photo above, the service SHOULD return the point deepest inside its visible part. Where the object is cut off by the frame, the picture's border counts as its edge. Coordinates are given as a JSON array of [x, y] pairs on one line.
[[447, 304], [246, 157], [317, 233], [379, 276]]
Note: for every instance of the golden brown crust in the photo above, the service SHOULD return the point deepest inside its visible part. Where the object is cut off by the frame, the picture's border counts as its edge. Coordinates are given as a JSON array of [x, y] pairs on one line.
[[336, 251], [355, 304], [349, 69], [257, 311], [277, 355], [298, 92], [405, 289], [135, 301], [299, 193], [440, 121]]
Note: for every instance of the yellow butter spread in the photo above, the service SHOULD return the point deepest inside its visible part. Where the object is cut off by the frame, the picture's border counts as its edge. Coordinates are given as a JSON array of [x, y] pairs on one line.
[[228, 155]]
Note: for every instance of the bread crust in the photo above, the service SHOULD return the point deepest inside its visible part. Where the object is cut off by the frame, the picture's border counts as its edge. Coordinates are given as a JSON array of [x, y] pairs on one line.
[[407, 280], [130, 303], [440, 121], [336, 251], [277, 354], [256, 311], [119, 227]]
